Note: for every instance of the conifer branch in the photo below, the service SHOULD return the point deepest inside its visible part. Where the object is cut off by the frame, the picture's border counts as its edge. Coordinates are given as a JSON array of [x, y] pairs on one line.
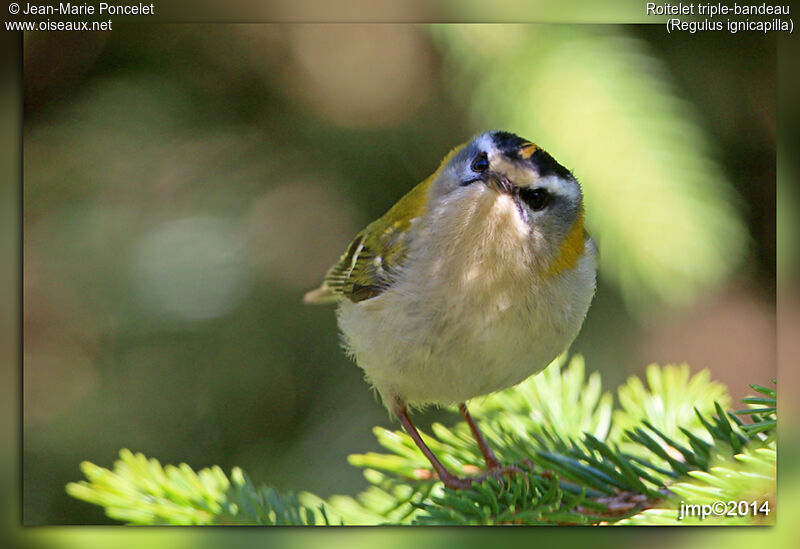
[[669, 443]]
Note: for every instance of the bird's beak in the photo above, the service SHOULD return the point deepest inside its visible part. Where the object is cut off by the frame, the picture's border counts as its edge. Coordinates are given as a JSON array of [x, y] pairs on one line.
[[499, 183]]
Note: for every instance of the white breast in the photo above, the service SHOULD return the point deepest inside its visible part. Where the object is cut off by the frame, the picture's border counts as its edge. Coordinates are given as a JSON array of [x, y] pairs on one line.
[[468, 315]]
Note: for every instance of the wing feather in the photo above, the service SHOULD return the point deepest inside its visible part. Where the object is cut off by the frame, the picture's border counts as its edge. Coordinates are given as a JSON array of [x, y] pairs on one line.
[[368, 267], [372, 259]]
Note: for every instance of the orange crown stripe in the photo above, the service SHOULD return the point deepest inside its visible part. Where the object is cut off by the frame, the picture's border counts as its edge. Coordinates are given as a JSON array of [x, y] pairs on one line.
[[527, 150]]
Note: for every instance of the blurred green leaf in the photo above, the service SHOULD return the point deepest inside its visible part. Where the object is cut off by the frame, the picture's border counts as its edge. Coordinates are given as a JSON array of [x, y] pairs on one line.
[[140, 491], [669, 400], [560, 399]]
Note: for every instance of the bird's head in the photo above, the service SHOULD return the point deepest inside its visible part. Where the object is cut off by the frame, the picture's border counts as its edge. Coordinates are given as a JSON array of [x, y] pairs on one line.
[[500, 172]]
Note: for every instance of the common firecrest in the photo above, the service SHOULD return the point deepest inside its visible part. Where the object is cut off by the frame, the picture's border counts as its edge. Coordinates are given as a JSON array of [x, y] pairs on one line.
[[473, 281]]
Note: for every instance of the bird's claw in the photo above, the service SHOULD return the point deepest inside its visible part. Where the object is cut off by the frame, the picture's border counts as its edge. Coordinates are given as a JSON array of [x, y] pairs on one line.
[[500, 472], [460, 483]]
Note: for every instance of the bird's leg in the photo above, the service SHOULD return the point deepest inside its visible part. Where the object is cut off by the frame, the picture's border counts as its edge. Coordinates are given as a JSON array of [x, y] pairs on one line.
[[450, 480], [491, 461], [493, 467]]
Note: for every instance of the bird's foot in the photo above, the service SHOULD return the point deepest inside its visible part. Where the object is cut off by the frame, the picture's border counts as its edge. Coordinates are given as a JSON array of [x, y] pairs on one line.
[[498, 472], [458, 483]]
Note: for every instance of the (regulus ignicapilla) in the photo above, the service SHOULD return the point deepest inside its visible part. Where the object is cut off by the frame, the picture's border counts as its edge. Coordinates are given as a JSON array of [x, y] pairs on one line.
[[476, 279]]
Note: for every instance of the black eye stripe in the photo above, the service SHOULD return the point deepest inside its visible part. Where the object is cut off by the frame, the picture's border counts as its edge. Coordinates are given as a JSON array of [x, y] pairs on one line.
[[536, 199]]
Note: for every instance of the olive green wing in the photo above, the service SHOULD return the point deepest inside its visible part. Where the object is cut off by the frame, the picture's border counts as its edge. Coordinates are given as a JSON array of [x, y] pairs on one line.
[[365, 270], [369, 265]]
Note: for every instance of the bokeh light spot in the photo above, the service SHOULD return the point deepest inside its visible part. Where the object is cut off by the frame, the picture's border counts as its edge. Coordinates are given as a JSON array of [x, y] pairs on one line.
[[192, 268]]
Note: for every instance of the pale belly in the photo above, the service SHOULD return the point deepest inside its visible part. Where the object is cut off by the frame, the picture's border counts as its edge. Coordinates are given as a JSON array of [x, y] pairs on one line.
[[444, 345]]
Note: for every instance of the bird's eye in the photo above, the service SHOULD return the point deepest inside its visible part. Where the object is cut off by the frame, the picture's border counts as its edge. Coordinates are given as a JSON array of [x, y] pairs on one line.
[[536, 199], [481, 163]]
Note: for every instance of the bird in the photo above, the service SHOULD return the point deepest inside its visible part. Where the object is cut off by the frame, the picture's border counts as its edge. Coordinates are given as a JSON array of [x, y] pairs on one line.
[[476, 279]]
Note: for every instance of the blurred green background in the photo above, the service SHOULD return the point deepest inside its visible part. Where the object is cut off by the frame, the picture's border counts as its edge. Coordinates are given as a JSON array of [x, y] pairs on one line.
[[185, 185]]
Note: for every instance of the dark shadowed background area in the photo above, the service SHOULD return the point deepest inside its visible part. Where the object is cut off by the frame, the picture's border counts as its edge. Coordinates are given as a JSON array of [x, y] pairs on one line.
[[185, 185]]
